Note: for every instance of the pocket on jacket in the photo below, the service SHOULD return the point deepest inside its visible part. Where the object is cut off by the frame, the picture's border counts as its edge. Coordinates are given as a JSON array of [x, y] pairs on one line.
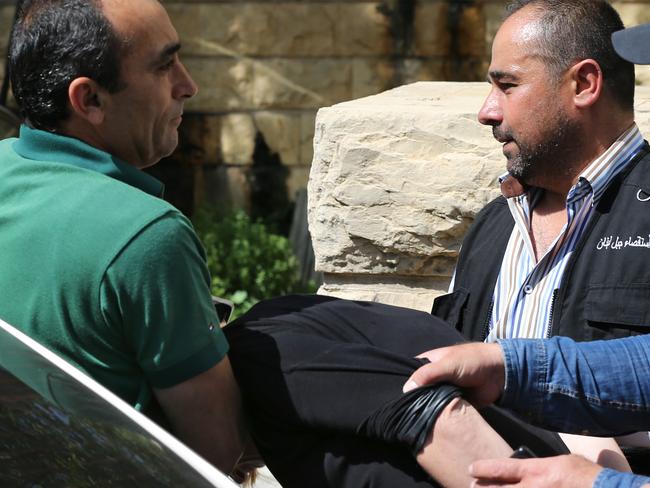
[[625, 307], [450, 307]]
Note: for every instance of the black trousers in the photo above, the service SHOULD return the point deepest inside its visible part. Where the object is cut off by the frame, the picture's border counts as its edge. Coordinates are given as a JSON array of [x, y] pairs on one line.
[[312, 368]]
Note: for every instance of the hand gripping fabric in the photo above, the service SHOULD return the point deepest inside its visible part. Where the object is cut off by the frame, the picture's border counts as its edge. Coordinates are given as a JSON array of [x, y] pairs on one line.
[[409, 419]]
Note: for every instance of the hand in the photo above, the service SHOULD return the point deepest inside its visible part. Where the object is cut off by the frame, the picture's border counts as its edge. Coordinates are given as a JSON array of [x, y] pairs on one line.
[[571, 471], [248, 463], [478, 368], [205, 412]]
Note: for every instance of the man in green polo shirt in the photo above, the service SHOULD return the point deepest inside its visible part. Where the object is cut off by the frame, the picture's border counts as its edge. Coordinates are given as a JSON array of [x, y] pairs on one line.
[[93, 264]]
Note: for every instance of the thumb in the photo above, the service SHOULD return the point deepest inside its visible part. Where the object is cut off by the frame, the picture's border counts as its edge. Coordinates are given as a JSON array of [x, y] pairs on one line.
[[425, 375], [498, 469]]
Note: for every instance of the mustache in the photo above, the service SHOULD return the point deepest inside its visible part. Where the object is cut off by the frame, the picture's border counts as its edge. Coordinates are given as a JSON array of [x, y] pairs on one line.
[[502, 135]]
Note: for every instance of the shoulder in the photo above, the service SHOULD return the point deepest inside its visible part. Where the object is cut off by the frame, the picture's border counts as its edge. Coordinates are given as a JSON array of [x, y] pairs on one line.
[[495, 206], [488, 233], [640, 172], [168, 239], [6, 145], [494, 214], [112, 216], [163, 259], [630, 187]]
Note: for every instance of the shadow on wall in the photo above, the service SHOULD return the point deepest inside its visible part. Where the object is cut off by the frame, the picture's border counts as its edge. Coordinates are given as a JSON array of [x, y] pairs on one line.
[[268, 188], [195, 176]]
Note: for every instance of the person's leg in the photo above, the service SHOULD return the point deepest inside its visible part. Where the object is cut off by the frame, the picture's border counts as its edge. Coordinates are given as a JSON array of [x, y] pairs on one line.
[[313, 370], [601, 450], [459, 437], [317, 358]]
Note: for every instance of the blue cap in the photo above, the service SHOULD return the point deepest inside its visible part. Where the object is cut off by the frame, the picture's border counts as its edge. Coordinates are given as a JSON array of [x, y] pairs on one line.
[[633, 44]]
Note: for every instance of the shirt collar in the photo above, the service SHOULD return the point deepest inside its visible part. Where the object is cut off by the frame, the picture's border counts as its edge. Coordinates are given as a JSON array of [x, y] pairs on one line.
[[46, 146], [600, 172]]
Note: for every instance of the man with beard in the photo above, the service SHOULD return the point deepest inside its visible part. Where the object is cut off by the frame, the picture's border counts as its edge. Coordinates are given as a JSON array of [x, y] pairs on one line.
[[560, 252], [545, 259], [600, 386]]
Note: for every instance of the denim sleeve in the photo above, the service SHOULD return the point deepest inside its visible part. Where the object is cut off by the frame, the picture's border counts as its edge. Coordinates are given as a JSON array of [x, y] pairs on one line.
[[590, 388], [608, 478]]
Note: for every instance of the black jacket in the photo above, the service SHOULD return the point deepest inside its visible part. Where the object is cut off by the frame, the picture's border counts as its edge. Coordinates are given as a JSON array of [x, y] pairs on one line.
[[605, 290]]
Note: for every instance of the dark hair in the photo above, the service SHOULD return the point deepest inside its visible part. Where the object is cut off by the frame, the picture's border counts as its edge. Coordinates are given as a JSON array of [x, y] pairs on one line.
[[52, 43], [573, 30]]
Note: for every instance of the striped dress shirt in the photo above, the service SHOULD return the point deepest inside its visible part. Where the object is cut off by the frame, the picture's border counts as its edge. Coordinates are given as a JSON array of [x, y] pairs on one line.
[[522, 303]]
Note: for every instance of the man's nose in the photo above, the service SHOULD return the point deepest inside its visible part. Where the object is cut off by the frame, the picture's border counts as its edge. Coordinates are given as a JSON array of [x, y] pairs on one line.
[[491, 113], [185, 87]]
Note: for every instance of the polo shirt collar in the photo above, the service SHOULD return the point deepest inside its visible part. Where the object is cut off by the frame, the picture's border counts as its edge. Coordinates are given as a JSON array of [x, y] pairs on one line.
[[46, 146]]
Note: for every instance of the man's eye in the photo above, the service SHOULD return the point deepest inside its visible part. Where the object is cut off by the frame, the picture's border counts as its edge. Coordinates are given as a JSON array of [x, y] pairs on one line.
[[506, 86], [168, 65]]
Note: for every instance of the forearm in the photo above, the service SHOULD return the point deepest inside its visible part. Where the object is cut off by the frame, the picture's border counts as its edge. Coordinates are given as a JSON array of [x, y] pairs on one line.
[[459, 437], [609, 477], [597, 388], [205, 412]]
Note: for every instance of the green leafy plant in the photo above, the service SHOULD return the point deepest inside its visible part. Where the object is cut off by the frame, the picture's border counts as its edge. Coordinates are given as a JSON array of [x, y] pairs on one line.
[[247, 261]]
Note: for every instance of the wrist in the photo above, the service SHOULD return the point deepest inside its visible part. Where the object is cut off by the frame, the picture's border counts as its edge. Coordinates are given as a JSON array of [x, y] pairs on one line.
[[506, 379]]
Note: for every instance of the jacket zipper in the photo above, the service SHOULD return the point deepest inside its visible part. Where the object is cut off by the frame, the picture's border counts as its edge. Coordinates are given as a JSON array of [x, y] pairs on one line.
[[549, 328], [486, 326]]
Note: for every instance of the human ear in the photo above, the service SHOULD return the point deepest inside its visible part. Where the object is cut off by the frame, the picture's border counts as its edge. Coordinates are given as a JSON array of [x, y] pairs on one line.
[[587, 78], [84, 95]]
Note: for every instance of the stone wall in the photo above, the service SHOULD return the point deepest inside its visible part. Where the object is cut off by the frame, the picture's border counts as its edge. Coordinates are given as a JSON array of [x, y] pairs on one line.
[[395, 182], [264, 67]]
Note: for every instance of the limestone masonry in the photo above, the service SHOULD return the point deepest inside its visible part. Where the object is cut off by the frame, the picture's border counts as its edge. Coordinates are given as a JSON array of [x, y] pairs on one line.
[[264, 67], [395, 181]]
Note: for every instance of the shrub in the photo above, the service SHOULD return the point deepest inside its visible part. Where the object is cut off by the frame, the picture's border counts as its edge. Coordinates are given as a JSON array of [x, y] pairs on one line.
[[247, 262]]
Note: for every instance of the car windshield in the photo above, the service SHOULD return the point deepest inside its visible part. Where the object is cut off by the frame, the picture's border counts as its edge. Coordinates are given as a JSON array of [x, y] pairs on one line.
[[56, 431]]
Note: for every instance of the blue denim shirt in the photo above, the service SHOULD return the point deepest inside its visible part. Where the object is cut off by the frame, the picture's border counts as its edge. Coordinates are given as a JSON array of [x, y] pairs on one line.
[[609, 478], [590, 388]]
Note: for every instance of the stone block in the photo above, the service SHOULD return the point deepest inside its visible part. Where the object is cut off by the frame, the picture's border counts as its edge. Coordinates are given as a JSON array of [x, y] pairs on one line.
[[297, 179], [424, 70], [200, 139], [642, 109], [226, 187], [396, 180], [6, 21], [291, 29], [410, 292], [397, 177], [290, 83], [633, 13], [281, 132], [494, 13], [431, 29], [205, 28], [371, 76], [224, 84], [238, 133], [361, 30], [472, 31], [467, 69], [643, 75], [307, 125], [280, 83]]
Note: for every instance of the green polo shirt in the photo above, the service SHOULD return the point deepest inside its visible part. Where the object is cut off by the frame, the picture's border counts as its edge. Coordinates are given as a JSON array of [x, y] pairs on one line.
[[99, 269]]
